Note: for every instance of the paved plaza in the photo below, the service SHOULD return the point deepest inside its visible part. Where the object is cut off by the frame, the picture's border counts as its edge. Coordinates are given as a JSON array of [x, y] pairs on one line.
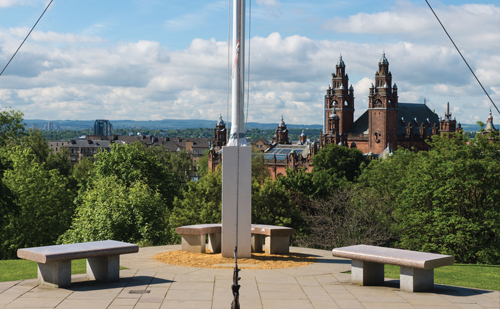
[[320, 285]]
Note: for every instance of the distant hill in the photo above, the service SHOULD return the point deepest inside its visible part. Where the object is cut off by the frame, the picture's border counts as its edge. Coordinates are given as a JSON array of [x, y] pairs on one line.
[[181, 124], [470, 127], [165, 124]]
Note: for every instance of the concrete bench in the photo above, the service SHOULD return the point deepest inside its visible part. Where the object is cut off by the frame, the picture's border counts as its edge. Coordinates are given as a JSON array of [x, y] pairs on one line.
[[416, 268], [277, 238], [194, 237], [54, 262]]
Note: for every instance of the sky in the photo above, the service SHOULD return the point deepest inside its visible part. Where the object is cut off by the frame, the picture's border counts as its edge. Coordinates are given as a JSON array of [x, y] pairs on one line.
[[157, 59]]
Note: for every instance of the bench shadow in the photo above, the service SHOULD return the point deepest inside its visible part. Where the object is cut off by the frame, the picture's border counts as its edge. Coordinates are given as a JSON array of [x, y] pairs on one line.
[[333, 261], [442, 289], [457, 291], [125, 282]]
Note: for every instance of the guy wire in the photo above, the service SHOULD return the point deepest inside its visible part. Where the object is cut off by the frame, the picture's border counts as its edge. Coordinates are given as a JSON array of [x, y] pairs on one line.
[[26, 37], [462, 56]]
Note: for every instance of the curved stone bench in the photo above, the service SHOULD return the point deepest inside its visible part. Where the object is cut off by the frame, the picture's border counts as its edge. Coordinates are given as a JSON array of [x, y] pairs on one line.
[[416, 268], [54, 262], [277, 238], [194, 237]]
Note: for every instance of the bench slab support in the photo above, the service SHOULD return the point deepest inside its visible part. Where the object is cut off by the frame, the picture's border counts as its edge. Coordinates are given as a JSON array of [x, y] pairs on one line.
[[367, 273], [257, 243], [55, 274], [277, 244], [193, 243], [104, 268], [214, 243], [416, 280]]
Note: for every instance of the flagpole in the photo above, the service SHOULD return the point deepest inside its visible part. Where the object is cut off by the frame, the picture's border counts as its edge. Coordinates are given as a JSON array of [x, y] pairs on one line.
[[237, 135]]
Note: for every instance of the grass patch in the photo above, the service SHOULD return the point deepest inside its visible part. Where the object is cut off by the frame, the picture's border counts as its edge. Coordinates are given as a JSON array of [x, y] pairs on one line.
[[12, 270], [466, 275]]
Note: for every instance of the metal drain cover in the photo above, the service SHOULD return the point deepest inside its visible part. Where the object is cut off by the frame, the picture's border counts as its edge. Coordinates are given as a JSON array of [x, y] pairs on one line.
[[139, 291]]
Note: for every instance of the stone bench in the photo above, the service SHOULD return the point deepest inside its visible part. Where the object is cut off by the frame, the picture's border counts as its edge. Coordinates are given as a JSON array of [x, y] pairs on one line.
[[277, 238], [416, 268], [54, 262], [194, 237]]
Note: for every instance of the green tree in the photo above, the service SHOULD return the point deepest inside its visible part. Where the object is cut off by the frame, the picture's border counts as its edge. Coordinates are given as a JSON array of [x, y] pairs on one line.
[[271, 204], [300, 181], [445, 200], [260, 172], [41, 207], [132, 162], [200, 202], [202, 165], [112, 210], [11, 125], [339, 161]]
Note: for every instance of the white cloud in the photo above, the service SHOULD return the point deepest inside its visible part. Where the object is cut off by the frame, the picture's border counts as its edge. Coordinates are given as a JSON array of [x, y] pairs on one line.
[[50, 36], [8, 3], [268, 2], [471, 25], [84, 78], [272, 7]]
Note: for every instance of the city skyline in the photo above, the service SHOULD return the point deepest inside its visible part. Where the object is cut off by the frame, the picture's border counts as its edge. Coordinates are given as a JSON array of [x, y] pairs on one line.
[[153, 60]]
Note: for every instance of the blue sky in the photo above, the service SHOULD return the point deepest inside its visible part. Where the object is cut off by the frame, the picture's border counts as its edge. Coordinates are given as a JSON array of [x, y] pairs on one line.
[[153, 59]]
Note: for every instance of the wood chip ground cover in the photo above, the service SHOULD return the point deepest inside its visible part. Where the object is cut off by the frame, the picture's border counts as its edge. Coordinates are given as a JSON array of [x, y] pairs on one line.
[[258, 260]]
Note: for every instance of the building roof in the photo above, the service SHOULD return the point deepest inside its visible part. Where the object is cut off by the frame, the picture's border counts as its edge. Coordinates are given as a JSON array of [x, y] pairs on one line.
[[283, 151], [414, 112], [90, 143]]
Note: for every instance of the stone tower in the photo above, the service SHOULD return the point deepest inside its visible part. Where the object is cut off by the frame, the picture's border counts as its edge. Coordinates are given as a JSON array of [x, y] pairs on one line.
[[220, 133], [447, 125], [383, 110], [340, 98], [282, 133]]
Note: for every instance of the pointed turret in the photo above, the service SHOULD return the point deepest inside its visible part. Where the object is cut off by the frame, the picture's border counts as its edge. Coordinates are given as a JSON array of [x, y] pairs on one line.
[[489, 124]]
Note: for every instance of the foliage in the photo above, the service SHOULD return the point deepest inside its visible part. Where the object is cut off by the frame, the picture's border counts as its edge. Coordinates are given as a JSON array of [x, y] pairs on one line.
[[272, 204], [11, 125], [112, 210], [161, 171], [299, 181], [41, 204], [339, 161], [202, 165], [318, 184], [445, 200], [259, 169], [200, 202], [351, 216], [177, 164]]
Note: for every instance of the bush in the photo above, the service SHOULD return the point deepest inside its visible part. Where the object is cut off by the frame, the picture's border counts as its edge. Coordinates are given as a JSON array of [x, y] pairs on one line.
[[350, 216], [111, 210], [445, 200], [40, 206]]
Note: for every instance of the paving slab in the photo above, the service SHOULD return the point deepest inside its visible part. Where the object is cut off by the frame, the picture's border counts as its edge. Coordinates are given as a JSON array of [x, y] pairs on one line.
[[149, 284]]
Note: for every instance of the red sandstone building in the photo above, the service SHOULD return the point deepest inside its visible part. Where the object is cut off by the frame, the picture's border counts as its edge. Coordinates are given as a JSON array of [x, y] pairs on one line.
[[387, 123], [385, 126]]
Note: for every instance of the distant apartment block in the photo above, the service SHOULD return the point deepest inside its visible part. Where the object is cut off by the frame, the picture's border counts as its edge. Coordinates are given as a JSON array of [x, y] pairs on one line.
[[49, 126], [103, 127]]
